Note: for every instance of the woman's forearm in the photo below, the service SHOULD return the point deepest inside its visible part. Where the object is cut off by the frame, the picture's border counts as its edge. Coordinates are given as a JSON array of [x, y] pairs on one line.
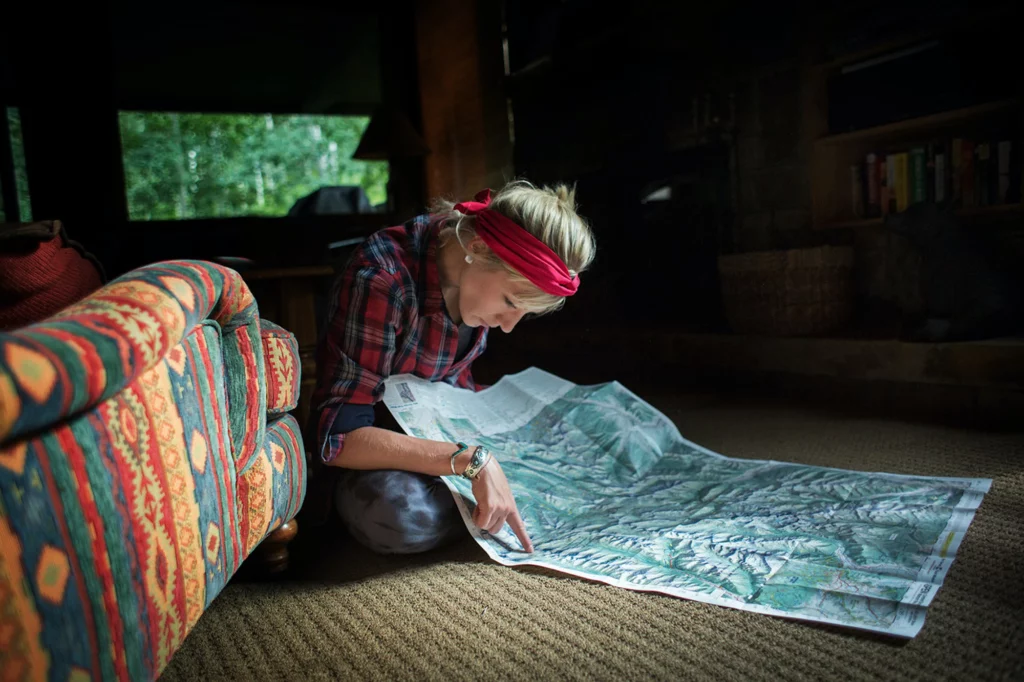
[[371, 447]]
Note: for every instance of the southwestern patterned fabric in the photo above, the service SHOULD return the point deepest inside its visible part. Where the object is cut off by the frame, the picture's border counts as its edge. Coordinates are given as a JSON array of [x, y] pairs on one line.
[[281, 351], [137, 468]]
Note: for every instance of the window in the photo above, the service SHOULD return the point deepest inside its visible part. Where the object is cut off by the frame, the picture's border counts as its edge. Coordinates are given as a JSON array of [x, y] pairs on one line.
[[181, 165], [20, 172]]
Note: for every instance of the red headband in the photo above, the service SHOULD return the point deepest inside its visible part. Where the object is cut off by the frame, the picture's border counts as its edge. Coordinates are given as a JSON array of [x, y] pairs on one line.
[[520, 249]]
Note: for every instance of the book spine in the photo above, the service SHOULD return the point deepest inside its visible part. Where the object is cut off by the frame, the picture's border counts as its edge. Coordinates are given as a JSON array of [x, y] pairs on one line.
[[929, 186], [1005, 150], [993, 172], [902, 182], [967, 174], [918, 175], [857, 190], [940, 174], [890, 172], [873, 203], [1015, 195], [982, 169], [884, 192], [956, 164]]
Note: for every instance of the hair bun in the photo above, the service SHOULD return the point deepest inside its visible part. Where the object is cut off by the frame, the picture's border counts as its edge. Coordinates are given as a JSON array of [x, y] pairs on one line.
[[566, 195]]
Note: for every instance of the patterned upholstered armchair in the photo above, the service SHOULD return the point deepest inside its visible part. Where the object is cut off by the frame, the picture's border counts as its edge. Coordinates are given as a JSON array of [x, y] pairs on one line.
[[145, 450]]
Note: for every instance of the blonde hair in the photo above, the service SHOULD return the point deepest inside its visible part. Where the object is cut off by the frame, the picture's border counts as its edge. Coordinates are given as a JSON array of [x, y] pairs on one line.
[[548, 213]]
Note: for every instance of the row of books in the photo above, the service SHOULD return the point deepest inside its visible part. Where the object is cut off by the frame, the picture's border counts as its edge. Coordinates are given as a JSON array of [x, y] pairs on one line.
[[966, 173]]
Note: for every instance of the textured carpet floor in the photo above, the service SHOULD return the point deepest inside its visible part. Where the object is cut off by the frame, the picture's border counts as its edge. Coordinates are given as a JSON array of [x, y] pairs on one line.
[[344, 613]]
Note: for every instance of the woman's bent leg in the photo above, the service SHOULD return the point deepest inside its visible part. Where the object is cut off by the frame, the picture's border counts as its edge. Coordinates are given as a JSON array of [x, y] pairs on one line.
[[397, 512]]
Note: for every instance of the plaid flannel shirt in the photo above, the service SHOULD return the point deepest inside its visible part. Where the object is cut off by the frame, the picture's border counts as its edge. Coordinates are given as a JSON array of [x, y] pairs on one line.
[[387, 316]]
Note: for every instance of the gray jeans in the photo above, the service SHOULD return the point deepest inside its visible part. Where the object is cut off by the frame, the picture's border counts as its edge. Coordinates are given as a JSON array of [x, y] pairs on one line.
[[397, 512]]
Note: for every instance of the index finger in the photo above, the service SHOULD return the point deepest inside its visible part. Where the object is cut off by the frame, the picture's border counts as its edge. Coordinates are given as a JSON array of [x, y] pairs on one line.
[[519, 528]]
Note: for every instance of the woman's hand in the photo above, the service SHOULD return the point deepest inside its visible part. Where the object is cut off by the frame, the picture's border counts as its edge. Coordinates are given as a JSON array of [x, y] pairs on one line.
[[495, 504]]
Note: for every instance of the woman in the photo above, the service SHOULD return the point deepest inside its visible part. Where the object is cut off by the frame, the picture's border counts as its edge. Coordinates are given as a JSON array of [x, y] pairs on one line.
[[420, 299]]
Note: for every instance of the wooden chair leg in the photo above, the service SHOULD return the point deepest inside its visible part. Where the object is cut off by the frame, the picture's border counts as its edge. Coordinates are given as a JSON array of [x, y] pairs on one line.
[[272, 554]]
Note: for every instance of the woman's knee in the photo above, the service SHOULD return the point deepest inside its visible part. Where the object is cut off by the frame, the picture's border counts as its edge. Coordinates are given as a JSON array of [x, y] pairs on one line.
[[397, 512]]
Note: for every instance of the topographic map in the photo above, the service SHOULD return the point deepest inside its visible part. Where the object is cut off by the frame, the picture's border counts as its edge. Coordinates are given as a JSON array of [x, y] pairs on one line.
[[611, 491]]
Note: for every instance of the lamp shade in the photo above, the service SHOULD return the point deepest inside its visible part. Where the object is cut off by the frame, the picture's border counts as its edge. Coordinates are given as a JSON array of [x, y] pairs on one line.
[[390, 135]]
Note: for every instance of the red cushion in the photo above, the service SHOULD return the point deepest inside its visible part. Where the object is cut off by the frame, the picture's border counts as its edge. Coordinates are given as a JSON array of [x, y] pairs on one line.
[[41, 273]]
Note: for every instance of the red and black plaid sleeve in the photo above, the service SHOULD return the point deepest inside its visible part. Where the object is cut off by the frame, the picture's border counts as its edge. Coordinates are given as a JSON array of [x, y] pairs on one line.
[[359, 349]]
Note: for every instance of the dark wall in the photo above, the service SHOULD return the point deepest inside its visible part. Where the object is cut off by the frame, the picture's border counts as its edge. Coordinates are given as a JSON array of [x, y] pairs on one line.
[[713, 100], [71, 71], [286, 57], [60, 75], [629, 99]]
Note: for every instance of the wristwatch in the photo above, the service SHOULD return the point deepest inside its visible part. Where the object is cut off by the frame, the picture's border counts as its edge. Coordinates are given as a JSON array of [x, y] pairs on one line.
[[477, 462]]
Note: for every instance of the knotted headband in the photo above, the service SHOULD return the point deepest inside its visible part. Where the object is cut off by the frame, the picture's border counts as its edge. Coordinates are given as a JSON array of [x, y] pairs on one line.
[[520, 249]]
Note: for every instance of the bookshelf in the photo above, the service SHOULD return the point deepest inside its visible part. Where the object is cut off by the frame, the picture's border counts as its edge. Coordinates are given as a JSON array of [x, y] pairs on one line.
[[946, 121], [978, 214], [834, 156]]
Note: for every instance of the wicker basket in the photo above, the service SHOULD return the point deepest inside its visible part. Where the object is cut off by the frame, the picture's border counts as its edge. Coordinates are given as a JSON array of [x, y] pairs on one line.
[[800, 292]]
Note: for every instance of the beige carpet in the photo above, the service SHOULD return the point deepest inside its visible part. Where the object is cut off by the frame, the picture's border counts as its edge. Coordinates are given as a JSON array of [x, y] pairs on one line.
[[454, 614]]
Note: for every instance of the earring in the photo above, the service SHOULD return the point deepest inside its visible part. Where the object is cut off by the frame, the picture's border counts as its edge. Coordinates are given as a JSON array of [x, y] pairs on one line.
[[469, 259]]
